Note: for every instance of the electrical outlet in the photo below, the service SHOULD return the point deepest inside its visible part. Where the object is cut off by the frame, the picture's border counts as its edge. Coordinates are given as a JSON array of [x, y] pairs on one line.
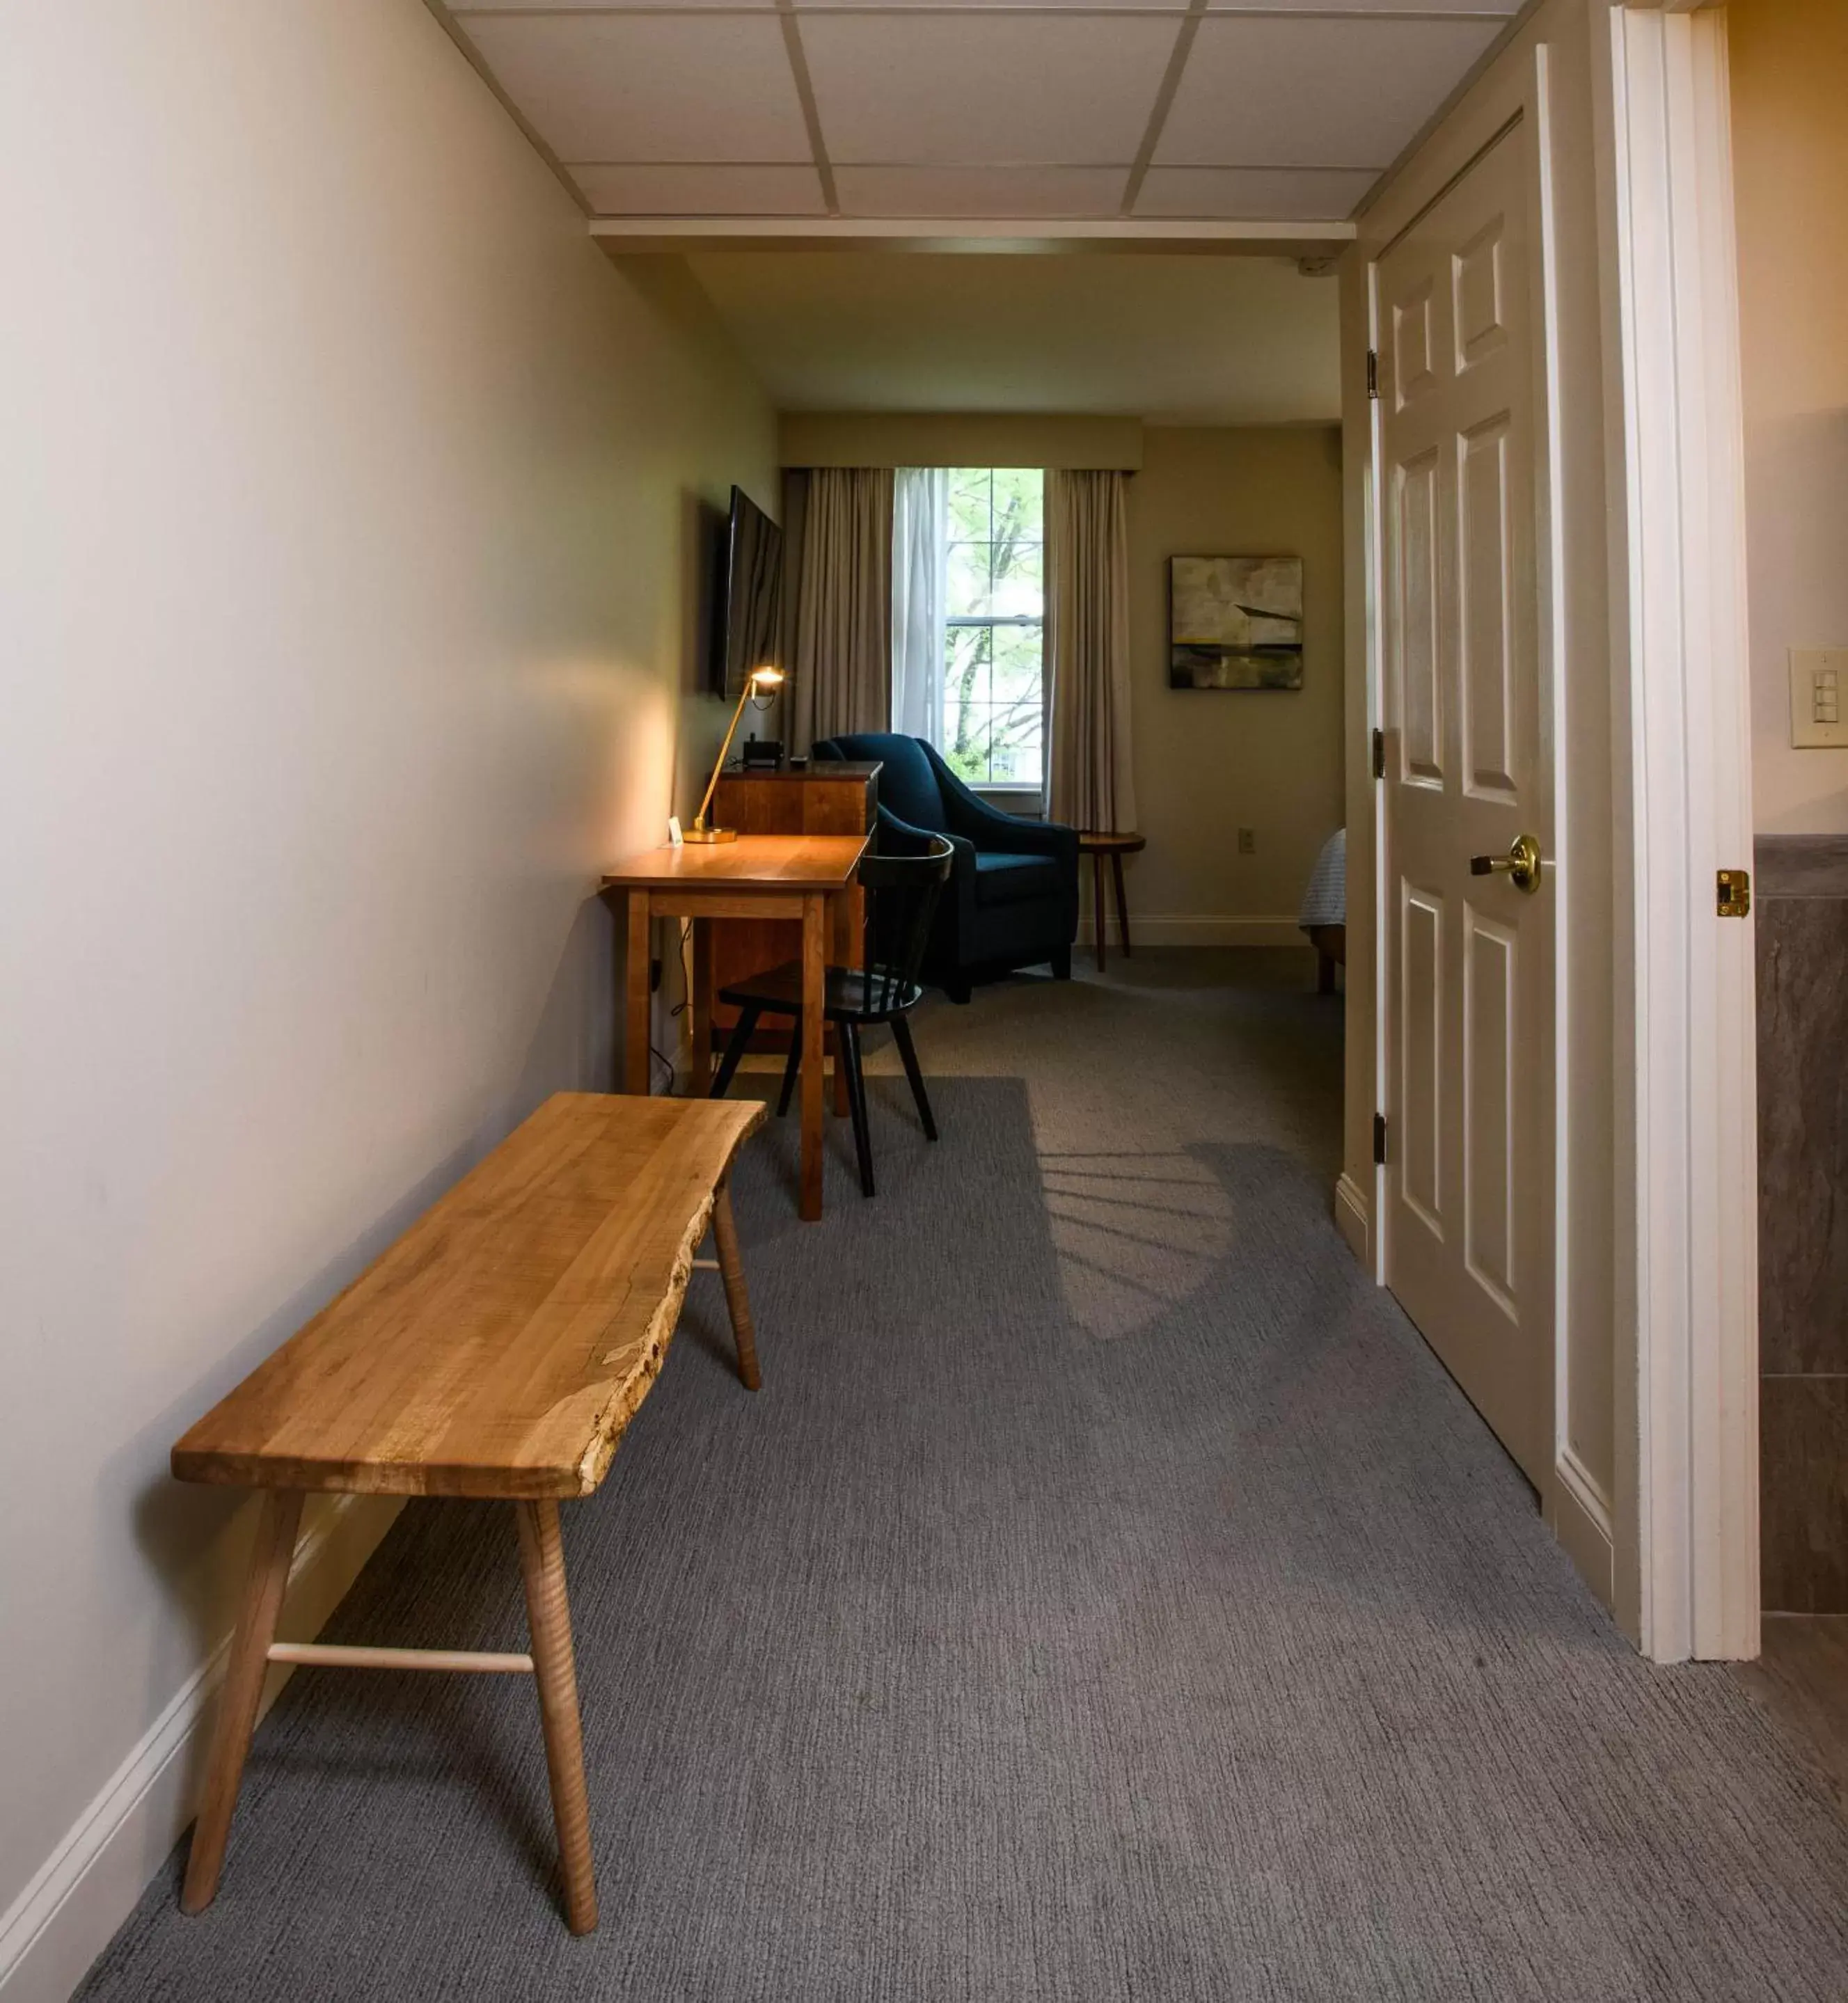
[[1818, 697], [1248, 841]]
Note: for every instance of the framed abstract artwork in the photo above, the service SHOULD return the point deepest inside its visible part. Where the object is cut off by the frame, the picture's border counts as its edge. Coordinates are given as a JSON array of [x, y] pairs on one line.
[[1235, 622]]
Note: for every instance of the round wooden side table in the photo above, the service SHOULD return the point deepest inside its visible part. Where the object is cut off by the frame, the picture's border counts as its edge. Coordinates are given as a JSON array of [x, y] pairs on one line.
[[1116, 846]]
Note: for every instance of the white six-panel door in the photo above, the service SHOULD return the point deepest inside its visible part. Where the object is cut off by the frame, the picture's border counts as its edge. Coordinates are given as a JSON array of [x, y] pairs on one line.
[[1469, 957]]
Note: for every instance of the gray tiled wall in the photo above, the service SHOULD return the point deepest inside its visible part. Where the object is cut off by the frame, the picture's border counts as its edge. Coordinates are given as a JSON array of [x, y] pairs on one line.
[[1802, 912]]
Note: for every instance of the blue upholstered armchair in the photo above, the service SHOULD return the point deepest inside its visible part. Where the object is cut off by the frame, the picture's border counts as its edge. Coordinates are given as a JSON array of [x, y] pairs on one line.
[[1012, 900]]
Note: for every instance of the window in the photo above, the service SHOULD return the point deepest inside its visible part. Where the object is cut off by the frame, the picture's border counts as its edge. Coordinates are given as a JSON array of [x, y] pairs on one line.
[[994, 660]]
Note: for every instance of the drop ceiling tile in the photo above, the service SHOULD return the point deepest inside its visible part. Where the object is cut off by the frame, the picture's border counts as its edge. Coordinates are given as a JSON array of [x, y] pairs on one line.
[[1255, 194], [1026, 88], [653, 86], [701, 190], [1315, 92], [1500, 9], [987, 191], [877, 6], [459, 8]]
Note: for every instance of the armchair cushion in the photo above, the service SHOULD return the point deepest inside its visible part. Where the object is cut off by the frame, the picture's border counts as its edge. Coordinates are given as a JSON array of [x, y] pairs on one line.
[[1009, 880]]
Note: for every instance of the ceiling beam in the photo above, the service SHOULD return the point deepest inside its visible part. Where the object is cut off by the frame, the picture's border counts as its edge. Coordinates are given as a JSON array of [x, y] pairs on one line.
[[631, 236]]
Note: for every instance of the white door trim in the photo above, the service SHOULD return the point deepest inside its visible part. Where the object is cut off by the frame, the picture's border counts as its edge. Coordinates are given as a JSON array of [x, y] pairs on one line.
[[1677, 610], [1674, 1542]]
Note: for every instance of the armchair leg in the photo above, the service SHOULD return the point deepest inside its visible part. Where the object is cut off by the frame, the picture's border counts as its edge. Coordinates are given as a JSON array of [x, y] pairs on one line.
[[1061, 963], [734, 1050], [957, 990]]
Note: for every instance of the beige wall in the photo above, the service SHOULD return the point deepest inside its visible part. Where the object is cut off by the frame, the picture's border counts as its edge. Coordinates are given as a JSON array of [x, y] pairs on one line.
[[1790, 81], [856, 437], [345, 578], [1207, 762]]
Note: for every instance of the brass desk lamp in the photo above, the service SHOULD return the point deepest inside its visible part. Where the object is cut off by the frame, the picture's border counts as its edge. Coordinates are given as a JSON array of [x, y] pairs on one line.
[[759, 679]]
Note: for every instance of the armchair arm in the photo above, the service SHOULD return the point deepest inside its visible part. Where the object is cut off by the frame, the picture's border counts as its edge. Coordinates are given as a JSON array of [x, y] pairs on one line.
[[987, 827]]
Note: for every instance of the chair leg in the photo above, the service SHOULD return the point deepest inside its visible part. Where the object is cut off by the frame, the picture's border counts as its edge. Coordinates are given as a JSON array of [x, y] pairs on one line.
[[848, 1034], [790, 1069], [734, 1049], [957, 990], [907, 1055], [1061, 963]]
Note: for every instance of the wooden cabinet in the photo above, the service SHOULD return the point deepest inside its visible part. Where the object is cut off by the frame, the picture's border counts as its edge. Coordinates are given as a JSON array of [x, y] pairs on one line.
[[827, 799]]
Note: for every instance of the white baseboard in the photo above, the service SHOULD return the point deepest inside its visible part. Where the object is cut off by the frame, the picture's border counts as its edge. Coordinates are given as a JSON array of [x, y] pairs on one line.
[[1351, 1219], [1173, 930], [67, 1915]]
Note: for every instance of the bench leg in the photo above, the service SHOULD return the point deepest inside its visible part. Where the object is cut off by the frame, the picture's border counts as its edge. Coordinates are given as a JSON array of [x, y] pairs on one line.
[[549, 1618], [263, 1587], [737, 1301]]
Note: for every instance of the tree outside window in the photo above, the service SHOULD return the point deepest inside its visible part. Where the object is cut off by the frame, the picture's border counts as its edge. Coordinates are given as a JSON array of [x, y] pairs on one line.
[[994, 671]]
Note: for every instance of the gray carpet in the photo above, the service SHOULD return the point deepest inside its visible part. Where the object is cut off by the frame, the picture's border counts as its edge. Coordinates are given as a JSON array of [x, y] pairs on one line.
[[1107, 1596]]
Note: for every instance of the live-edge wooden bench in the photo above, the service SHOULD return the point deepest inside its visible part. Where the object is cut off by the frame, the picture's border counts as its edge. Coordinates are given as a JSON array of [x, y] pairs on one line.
[[498, 1349]]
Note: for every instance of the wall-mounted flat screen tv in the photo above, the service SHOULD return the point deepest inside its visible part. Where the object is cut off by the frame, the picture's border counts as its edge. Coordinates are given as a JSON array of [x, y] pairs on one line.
[[748, 627]]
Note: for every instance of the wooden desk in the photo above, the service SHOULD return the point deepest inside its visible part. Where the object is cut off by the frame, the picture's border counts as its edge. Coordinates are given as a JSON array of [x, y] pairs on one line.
[[829, 797], [757, 876], [500, 1348]]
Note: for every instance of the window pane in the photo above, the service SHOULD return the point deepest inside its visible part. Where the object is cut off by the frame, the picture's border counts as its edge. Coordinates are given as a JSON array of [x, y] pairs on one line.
[[970, 517], [1019, 589], [968, 588], [1018, 657], [1020, 498], [994, 674]]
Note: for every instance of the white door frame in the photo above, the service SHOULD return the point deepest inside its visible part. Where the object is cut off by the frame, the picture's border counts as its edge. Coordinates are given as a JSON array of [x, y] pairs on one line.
[[1671, 1538], [1679, 617]]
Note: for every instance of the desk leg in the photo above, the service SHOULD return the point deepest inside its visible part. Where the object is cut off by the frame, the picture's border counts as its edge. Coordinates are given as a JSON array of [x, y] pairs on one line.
[[814, 999], [549, 1618], [701, 1011], [263, 1587], [635, 1015]]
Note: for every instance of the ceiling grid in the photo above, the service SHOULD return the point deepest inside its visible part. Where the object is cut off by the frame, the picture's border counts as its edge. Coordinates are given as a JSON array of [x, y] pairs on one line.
[[1131, 111]]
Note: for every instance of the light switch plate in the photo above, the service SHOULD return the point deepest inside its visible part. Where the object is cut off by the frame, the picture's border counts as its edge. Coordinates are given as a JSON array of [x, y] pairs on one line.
[[1818, 697]]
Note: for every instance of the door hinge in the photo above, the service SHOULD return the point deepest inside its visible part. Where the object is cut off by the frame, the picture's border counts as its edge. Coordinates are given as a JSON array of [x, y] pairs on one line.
[[1379, 754], [1379, 1139], [1735, 893], [1372, 376]]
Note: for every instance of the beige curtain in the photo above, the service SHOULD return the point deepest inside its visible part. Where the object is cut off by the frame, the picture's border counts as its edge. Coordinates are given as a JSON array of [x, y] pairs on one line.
[[842, 656], [1092, 782]]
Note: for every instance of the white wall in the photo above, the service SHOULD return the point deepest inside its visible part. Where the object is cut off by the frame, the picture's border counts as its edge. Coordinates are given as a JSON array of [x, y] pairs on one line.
[[346, 599]]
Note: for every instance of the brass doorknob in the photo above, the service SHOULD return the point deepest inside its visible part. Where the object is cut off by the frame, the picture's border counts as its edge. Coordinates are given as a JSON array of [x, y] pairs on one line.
[[1521, 865]]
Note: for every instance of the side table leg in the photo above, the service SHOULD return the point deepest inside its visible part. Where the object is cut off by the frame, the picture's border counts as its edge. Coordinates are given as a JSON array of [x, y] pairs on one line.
[[1116, 870]]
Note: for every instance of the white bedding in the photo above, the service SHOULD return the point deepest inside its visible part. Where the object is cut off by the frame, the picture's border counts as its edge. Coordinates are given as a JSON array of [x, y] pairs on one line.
[[1324, 902]]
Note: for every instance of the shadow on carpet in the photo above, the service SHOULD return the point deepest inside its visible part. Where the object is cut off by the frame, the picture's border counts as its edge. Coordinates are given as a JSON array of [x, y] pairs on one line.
[[979, 1658]]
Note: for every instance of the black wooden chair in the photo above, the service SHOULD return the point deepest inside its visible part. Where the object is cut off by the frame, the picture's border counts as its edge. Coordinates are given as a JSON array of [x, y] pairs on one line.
[[900, 891]]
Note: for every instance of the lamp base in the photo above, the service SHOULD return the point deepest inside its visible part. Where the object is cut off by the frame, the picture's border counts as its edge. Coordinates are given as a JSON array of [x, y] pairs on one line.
[[706, 834]]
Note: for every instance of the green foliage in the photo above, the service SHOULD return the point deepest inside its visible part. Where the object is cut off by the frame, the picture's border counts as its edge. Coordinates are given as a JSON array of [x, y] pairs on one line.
[[994, 672]]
